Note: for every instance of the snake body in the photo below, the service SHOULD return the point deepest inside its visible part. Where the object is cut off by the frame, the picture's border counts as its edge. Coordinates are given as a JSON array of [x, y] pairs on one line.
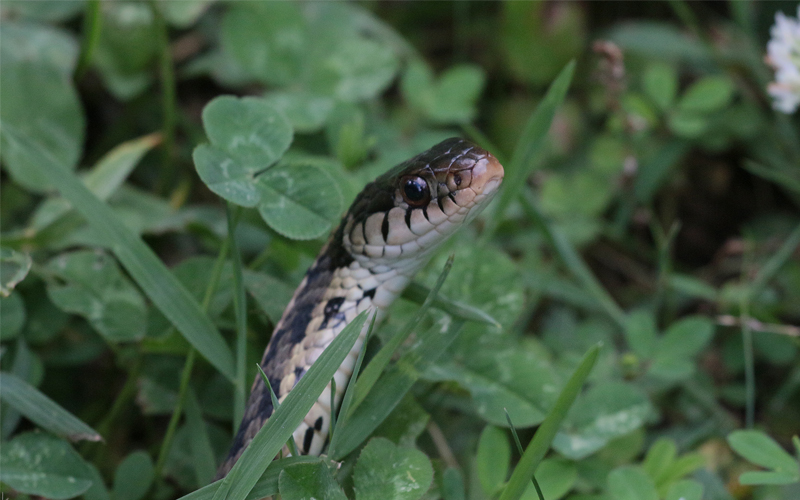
[[387, 234]]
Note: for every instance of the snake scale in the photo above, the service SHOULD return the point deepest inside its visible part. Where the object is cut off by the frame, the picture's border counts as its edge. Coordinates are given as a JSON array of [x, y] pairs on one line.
[[387, 234]]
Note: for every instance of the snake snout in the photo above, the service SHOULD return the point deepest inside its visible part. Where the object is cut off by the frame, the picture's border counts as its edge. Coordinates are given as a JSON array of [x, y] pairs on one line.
[[487, 175]]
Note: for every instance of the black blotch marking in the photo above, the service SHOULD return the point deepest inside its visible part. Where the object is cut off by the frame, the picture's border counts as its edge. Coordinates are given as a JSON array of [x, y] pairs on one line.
[[318, 424], [298, 373], [439, 202], [385, 226], [370, 293], [331, 310], [457, 179], [452, 197], [364, 232], [307, 440], [425, 213], [408, 217]]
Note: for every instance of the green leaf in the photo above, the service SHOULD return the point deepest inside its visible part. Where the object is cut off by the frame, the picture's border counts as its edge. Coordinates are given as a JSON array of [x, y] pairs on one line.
[[14, 266], [127, 46], [608, 410], [450, 99], [687, 124], [405, 424], [248, 129], [96, 289], [38, 99], [271, 294], [43, 465], [358, 69], [280, 426], [384, 471], [659, 40], [660, 457], [641, 333], [417, 293], [12, 316], [660, 82], [299, 201], [499, 378], [103, 179], [674, 356], [133, 477], [392, 386], [247, 135], [540, 443], [268, 39], [43, 411], [266, 486], [161, 287], [309, 481], [453, 485], [631, 483], [205, 463], [306, 111], [538, 40], [762, 450], [708, 94], [687, 489], [225, 176], [98, 490], [530, 144], [556, 477], [654, 171], [493, 458]]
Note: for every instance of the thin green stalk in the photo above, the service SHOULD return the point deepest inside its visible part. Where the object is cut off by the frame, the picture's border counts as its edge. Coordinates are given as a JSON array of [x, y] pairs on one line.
[[747, 344], [189, 364], [167, 98], [240, 310], [275, 405], [124, 398], [773, 265], [572, 259], [92, 22], [166, 444], [749, 363], [521, 451]]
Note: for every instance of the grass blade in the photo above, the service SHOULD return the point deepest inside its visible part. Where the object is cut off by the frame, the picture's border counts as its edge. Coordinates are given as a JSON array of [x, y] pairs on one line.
[[42, 410], [350, 391], [775, 262], [418, 293], [240, 311], [392, 386], [205, 464], [572, 260], [381, 360], [281, 425], [547, 431], [529, 144], [152, 276], [266, 486]]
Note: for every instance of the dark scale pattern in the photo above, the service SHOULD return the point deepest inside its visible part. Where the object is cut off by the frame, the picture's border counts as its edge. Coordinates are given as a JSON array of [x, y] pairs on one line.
[[377, 197]]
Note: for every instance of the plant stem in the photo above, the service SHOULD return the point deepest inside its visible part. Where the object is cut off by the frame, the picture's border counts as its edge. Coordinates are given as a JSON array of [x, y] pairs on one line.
[[189, 364], [167, 99], [92, 21]]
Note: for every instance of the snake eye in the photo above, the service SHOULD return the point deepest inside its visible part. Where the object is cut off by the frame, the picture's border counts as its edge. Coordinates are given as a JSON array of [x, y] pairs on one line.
[[415, 191]]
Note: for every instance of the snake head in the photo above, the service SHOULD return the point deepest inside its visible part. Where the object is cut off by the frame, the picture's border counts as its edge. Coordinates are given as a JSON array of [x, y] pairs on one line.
[[412, 208]]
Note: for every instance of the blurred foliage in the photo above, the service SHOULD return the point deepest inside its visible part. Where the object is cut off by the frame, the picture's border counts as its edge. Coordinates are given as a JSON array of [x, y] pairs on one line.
[[660, 217]]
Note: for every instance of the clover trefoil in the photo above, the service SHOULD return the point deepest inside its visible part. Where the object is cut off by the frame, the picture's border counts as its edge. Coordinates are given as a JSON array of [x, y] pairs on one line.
[[783, 54]]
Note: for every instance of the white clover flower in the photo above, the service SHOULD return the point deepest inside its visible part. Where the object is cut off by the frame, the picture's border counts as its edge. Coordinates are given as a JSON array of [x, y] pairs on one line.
[[783, 54]]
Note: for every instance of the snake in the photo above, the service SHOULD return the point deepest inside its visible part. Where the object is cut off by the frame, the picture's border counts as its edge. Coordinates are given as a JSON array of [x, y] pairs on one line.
[[390, 231]]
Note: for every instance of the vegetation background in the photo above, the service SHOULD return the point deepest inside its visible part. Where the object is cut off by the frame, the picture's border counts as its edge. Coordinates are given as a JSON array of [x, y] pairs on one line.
[[150, 240]]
